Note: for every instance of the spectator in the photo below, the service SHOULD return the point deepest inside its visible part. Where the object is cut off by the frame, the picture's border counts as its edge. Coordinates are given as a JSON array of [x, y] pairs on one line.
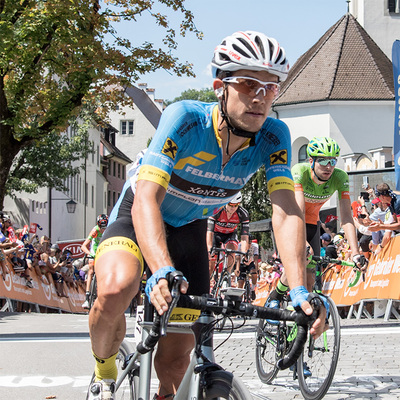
[[6, 247], [18, 262], [55, 263], [328, 246], [391, 203]]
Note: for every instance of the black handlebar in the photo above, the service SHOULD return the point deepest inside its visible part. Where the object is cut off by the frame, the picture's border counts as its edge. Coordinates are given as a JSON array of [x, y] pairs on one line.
[[227, 251], [229, 307]]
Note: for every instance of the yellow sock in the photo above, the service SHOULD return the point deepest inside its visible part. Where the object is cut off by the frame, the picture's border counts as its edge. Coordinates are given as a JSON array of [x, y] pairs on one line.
[[105, 368]]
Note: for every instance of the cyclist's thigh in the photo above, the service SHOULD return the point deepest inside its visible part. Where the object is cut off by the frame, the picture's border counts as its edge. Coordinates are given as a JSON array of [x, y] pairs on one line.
[[188, 249], [119, 262], [231, 241], [313, 237]]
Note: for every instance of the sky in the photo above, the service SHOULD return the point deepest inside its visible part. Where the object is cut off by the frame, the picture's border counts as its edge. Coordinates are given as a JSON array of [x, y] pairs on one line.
[[295, 24]]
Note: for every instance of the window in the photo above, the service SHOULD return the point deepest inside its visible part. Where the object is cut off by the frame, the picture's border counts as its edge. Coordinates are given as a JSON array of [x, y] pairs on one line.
[[114, 168], [126, 127], [119, 170], [92, 196], [123, 172], [303, 153], [109, 198], [98, 155], [114, 199], [394, 6]]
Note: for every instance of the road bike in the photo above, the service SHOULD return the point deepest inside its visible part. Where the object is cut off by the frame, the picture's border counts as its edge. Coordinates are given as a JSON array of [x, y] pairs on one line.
[[204, 378], [320, 356], [223, 281]]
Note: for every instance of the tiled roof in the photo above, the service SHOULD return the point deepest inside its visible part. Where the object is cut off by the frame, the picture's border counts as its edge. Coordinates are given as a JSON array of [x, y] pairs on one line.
[[115, 151], [145, 104], [345, 64]]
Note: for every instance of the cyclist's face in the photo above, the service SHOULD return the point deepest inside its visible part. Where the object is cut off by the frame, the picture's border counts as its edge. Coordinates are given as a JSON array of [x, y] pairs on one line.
[[324, 172], [246, 111]]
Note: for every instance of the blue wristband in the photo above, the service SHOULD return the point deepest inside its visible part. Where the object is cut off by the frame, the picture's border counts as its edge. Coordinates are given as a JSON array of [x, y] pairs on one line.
[[298, 295], [153, 280]]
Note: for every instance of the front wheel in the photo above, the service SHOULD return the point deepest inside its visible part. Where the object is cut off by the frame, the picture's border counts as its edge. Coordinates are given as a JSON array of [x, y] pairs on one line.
[[321, 357], [267, 346], [93, 291], [224, 283], [223, 385]]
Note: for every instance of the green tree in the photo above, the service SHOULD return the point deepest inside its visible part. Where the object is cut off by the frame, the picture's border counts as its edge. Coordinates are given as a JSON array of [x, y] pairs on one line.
[[256, 202], [57, 56], [206, 95]]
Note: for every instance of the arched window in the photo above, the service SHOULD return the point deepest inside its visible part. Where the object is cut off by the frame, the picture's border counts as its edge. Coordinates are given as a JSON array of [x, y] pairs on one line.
[[303, 154]]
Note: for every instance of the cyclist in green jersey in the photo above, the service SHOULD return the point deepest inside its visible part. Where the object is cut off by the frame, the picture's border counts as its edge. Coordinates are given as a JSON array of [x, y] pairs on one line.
[[89, 247], [316, 181]]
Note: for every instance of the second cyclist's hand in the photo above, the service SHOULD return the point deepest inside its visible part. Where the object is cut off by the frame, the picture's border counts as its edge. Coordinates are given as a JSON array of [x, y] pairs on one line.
[[299, 297], [320, 325]]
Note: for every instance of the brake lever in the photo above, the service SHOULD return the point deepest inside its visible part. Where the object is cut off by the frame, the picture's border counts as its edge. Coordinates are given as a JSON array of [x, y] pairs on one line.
[[175, 280]]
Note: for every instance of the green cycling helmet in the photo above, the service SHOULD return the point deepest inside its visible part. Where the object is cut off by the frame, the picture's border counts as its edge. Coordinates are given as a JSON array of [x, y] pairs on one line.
[[323, 147]]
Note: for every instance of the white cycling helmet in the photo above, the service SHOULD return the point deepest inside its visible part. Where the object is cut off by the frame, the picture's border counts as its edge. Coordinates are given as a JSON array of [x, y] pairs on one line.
[[250, 50], [237, 199]]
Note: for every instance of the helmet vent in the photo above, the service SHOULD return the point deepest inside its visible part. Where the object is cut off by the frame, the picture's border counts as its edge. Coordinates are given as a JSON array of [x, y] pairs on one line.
[[248, 47], [260, 46]]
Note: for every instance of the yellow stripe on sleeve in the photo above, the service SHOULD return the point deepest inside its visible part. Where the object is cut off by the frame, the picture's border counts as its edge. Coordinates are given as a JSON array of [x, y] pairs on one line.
[[280, 183], [154, 174]]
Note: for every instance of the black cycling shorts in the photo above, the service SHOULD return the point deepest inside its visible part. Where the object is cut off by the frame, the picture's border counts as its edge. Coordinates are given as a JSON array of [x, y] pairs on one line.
[[223, 238], [244, 269], [187, 245]]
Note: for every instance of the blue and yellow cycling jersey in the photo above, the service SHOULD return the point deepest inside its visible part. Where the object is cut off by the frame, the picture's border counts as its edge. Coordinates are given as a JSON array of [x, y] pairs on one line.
[[185, 157]]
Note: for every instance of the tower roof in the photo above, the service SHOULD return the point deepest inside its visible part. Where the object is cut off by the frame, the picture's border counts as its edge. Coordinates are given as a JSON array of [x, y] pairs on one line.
[[345, 64]]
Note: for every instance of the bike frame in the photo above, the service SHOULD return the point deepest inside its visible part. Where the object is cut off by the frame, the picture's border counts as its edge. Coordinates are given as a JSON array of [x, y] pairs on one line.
[[204, 353]]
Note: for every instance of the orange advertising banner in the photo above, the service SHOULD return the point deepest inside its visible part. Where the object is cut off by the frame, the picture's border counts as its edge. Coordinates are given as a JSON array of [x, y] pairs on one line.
[[381, 280], [42, 293]]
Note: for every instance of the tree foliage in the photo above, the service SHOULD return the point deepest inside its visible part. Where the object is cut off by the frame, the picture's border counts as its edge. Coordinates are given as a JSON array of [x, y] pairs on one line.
[[56, 56], [257, 203], [206, 95]]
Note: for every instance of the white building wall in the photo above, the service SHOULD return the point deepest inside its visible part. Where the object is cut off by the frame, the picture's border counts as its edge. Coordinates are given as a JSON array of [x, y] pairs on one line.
[[373, 16], [143, 130], [30, 207]]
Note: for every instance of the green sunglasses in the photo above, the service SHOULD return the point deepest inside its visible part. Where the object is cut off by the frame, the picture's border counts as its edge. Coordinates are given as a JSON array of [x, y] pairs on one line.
[[325, 161]]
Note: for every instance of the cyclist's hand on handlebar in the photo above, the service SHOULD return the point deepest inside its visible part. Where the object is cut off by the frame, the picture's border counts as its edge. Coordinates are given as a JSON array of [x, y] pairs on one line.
[[157, 289], [360, 261], [299, 296]]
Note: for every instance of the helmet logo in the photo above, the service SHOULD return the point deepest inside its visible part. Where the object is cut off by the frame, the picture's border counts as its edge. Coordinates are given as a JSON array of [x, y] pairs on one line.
[[235, 55]]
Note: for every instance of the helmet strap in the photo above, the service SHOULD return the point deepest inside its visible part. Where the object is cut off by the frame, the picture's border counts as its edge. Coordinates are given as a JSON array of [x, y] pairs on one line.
[[313, 170], [230, 127]]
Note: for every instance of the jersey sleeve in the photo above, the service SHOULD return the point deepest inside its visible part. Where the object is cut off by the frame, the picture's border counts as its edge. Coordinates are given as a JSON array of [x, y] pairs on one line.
[[93, 234], [277, 162], [244, 220], [298, 171], [169, 141], [342, 180]]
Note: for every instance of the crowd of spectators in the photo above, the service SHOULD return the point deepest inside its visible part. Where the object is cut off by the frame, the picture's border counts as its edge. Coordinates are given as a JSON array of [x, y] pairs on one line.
[[376, 215], [26, 254]]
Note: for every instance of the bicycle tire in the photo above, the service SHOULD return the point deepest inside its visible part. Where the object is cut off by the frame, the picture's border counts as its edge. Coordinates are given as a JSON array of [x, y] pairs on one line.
[[267, 350], [129, 387], [93, 291], [224, 282], [322, 359], [224, 385]]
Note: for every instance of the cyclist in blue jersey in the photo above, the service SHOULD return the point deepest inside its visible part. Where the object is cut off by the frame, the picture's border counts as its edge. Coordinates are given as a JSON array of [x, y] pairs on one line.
[[199, 159]]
